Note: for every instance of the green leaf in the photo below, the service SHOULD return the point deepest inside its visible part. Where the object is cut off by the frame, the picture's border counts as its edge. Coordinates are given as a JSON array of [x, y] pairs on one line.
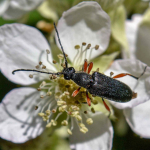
[[103, 62]]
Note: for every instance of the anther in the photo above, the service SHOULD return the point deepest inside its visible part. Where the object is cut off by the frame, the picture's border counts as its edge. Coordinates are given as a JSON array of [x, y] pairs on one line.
[[83, 43], [82, 130], [59, 103], [81, 125], [63, 65], [36, 107], [43, 83], [54, 111], [54, 61], [69, 131], [60, 56], [42, 96], [97, 69], [43, 67], [66, 93], [41, 114], [30, 76], [85, 112], [37, 67], [40, 63], [48, 51], [54, 76], [77, 46], [92, 110], [111, 74], [64, 123], [54, 123], [89, 121], [39, 89], [88, 46], [96, 47], [85, 129], [78, 118], [49, 93], [48, 112], [95, 102], [66, 55], [49, 125]]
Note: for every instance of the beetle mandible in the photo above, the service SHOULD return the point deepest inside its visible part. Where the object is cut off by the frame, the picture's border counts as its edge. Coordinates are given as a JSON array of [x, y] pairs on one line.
[[96, 84]]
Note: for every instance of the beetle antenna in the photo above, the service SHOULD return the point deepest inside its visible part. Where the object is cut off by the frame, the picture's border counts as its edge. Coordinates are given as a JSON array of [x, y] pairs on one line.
[[58, 73], [143, 72], [66, 63]]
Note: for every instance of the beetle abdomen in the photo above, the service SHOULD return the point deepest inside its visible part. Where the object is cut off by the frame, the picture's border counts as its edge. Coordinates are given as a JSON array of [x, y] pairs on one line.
[[110, 88]]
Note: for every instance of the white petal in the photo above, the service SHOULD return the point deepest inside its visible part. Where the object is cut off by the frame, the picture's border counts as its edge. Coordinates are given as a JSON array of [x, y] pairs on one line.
[[139, 120], [98, 137], [141, 87], [142, 44], [23, 47], [131, 32], [19, 121], [85, 22], [18, 8], [3, 6]]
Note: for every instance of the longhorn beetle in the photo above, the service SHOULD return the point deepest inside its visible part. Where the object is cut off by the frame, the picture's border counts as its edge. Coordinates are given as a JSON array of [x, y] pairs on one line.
[[96, 84]]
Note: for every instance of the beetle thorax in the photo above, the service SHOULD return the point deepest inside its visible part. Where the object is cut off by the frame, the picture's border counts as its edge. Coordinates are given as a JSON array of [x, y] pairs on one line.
[[68, 72], [82, 79]]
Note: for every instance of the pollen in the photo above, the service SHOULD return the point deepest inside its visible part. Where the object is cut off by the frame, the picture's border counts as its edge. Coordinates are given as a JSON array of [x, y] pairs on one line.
[[77, 46], [59, 92]]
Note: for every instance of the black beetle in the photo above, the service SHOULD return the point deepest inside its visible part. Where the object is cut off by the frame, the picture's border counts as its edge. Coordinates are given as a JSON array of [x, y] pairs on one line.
[[96, 84]]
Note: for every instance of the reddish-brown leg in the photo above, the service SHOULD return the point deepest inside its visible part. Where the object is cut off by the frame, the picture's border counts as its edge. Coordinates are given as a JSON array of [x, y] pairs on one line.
[[85, 66], [106, 106], [124, 74], [76, 92], [88, 99], [90, 66]]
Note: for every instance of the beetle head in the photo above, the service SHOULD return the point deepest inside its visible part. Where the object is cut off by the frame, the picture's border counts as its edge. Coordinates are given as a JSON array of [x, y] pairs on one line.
[[68, 72]]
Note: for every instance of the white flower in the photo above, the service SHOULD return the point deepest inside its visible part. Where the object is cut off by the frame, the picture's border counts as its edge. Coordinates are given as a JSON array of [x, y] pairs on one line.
[[138, 34], [22, 46], [14, 9], [136, 111]]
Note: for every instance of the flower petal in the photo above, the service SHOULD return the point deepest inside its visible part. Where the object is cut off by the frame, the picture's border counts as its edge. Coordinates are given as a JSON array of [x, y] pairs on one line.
[[139, 120], [98, 137], [143, 37], [141, 86], [17, 8], [3, 6], [19, 121], [131, 32], [23, 47], [85, 22]]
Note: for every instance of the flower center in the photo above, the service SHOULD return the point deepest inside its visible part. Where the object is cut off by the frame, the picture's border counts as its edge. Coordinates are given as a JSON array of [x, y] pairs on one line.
[[60, 91], [58, 98]]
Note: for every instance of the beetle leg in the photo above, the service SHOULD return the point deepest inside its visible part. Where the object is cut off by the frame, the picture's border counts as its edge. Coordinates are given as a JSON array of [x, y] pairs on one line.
[[106, 106], [88, 99], [76, 92], [85, 66], [90, 66], [124, 74]]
